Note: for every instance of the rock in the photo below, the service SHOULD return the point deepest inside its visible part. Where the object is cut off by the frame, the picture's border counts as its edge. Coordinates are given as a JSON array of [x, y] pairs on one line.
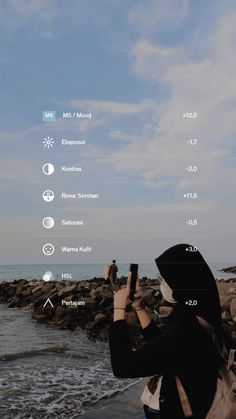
[[41, 314], [58, 287], [48, 287], [97, 314], [66, 290], [231, 291], [19, 288], [100, 317], [26, 293], [90, 325], [225, 304], [103, 333], [106, 302], [226, 315], [37, 288], [233, 309], [84, 290], [59, 313], [13, 302], [90, 305], [231, 269], [107, 291], [149, 300], [92, 293]]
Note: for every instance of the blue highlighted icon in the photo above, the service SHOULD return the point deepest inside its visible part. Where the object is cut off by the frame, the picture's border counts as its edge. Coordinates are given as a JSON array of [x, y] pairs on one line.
[[49, 116]]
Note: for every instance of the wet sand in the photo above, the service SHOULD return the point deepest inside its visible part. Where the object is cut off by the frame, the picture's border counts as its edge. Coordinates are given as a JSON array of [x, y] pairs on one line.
[[121, 406]]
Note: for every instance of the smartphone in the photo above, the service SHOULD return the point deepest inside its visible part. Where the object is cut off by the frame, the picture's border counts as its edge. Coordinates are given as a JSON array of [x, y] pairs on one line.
[[134, 275]]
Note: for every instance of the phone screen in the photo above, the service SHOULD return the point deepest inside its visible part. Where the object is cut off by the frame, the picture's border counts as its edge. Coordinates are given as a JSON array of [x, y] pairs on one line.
[[117, 141]]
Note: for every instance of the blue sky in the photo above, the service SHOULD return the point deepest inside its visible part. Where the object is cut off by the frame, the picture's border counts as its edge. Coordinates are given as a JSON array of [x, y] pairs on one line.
[[137, 66]]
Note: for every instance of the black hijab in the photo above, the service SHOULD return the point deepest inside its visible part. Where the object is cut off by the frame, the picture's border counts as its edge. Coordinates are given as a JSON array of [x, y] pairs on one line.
[[190, 278]]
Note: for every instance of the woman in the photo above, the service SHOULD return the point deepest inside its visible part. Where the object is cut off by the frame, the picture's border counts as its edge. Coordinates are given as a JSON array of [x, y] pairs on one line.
[[184, 349]]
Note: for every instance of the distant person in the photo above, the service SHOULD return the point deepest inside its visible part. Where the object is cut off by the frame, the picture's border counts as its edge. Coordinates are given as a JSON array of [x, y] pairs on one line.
[[183, 355], [112, 272]]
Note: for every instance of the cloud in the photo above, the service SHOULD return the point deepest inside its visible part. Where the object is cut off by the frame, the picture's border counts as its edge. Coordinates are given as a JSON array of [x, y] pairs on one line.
[[205, 85], [151, 61], [28, 8], [36, 16], [15, 170], [154, 15], [110, 107]]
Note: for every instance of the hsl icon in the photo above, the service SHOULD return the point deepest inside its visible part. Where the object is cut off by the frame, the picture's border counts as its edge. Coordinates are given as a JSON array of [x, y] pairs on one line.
[[49, 116]]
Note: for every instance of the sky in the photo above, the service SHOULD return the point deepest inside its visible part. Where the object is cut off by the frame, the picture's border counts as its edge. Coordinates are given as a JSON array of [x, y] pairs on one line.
[[137, 66]]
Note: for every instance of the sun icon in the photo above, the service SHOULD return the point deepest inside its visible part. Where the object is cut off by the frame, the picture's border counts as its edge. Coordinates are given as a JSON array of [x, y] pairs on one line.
[[48, 142]]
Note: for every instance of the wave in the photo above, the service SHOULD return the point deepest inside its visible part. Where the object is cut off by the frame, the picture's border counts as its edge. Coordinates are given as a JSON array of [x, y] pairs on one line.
[[112, 393], [57, 389], [34, 352], [44, 351]]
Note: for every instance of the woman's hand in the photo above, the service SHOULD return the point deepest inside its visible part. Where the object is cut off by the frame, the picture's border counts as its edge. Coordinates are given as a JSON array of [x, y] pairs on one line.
[[138, 296], [121, 297], [121, 300]]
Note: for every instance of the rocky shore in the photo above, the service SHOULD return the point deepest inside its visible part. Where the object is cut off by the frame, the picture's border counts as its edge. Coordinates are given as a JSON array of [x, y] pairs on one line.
[[88, 305], [231, 269]]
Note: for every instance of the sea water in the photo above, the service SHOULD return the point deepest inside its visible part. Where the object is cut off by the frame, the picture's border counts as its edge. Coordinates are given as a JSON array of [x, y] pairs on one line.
[[90, 270], [49, 373]]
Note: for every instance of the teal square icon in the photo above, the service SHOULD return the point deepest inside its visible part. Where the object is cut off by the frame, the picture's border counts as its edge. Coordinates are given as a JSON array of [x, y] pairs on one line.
[[49, 116]]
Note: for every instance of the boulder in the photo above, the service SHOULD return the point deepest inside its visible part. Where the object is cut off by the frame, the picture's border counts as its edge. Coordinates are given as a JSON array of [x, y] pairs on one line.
[[90, 305], [226, 315], [231, 269], [225, 304], [20, 288], [89, 326], [38, 288], [66, 290], [26, 292], [41, 314], [103, 334], [231, 291], [106, 302], [59, 313], [149, 300], [48, 287], [233, 309], [100, 317], [13, 302]]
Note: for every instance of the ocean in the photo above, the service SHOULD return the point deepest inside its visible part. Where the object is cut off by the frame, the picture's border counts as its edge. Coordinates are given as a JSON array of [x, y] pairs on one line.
[[49, 373], [89, 270]]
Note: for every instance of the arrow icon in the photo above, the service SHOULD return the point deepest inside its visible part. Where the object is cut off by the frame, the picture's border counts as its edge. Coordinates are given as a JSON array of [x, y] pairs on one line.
[[48, 301]]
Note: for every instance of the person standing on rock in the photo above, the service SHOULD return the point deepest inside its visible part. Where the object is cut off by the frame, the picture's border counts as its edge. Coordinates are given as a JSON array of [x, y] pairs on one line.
[[184, 352], [112, 272]]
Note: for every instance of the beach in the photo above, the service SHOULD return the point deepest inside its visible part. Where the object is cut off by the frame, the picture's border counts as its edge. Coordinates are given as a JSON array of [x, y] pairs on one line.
[[55, 362]]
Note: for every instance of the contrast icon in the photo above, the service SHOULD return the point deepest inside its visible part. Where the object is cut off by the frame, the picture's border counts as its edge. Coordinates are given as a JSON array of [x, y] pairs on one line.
[[48, 222], [48, 142], [48, 169], [48, 196], [48, 276], [48, 249]]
